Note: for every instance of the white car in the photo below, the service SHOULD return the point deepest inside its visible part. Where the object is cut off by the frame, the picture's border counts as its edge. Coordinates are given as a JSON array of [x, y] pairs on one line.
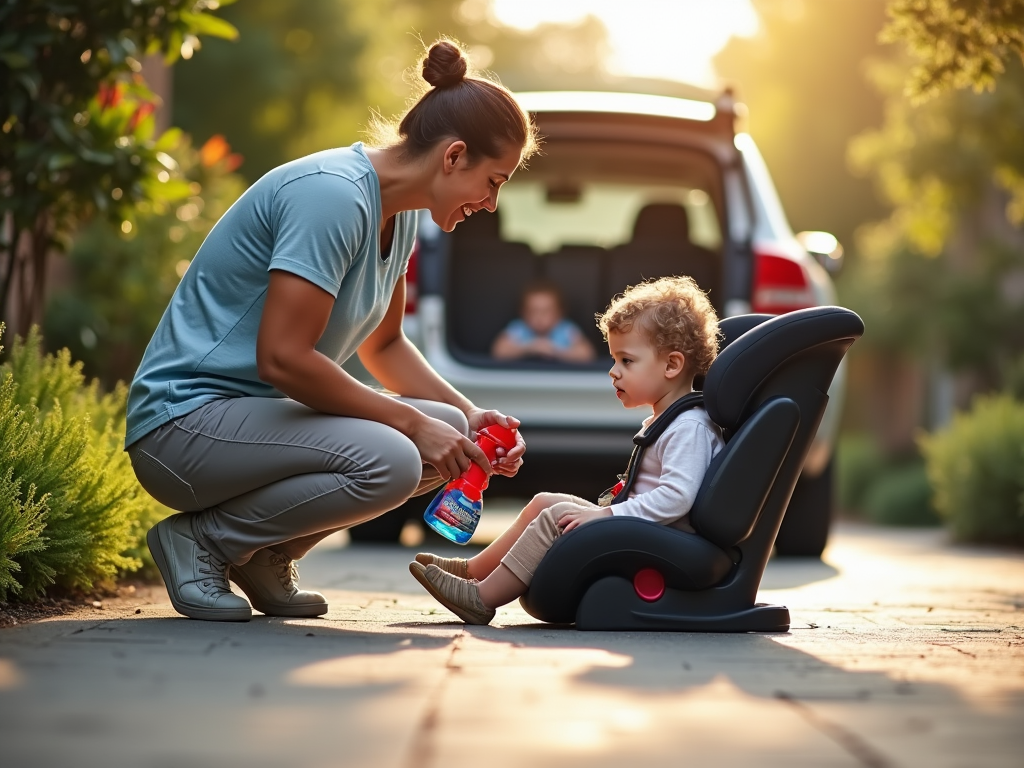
[[627, 186]]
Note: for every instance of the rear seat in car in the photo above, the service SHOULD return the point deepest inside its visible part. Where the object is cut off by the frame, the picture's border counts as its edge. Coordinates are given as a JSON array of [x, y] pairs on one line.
[[486, 279], [661, 246], [578, 270]]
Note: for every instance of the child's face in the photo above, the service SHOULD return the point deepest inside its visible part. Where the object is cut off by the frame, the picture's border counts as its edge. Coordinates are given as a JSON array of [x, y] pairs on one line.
[[640, 372], [541, 312]]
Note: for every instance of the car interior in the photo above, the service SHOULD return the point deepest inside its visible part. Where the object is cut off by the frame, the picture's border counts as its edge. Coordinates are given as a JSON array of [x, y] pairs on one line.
[[591, 233], [766, 389]]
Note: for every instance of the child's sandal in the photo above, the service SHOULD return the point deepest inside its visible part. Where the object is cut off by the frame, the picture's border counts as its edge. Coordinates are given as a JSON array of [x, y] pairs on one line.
[[456, 566]]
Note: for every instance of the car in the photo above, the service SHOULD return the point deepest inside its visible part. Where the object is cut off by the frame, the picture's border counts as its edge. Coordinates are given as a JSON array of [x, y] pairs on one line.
[[627, 186]]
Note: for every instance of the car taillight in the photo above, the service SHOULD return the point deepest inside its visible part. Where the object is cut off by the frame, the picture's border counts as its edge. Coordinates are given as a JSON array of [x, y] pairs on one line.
[[411, 288], [781, 284]]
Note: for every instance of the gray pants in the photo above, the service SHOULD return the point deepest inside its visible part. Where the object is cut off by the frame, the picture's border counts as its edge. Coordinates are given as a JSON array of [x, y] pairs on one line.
[[266, 472]]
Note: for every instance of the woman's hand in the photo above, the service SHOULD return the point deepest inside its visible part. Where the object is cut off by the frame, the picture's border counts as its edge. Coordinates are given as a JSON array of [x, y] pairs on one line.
[[445, 448], [571, 515], [508, 462]]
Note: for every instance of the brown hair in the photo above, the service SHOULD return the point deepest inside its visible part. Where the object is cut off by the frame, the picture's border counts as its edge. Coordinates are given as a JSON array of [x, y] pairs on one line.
[[675, 316], [542, 286], [458, 104]]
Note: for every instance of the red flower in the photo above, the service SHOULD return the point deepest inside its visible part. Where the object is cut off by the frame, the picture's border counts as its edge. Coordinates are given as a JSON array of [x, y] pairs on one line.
[[214, 150], [144, 110], [110, 94]]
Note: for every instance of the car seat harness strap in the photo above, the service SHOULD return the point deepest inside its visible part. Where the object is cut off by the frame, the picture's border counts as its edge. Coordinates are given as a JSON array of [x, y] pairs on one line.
[[620, 491]]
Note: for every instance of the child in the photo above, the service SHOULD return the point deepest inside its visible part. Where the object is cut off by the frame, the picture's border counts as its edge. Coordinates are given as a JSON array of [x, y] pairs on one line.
[[660, 334], [543, 330]]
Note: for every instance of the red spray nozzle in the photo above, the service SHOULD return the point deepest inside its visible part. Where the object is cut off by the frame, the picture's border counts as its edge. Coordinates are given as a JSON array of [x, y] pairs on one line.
[[501, 436], [489, 439]]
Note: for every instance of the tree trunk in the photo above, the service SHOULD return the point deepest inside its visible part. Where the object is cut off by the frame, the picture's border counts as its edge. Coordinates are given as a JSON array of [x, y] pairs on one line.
[[8, 266], [32, 275]]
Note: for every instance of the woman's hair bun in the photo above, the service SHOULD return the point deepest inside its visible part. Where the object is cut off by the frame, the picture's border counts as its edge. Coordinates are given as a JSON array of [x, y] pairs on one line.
[[445, 65]]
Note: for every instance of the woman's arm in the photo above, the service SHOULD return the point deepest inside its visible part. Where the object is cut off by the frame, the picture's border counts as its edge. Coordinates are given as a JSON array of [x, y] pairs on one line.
[[295, 315], [396, 363]]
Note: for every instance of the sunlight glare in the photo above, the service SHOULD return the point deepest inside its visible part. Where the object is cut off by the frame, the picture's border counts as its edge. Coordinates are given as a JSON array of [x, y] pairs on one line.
[[672, 39]]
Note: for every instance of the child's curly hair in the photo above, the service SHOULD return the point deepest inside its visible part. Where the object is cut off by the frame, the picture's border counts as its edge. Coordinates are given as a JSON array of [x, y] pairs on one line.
[[674, 314]]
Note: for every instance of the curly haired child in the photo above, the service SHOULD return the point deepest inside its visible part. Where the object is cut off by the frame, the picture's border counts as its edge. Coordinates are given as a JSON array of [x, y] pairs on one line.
[[661, 334]]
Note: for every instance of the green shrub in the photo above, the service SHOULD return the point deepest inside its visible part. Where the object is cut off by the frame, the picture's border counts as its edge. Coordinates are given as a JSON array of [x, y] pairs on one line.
[[976, 467], [901, 496], [73, 513], [859, 462]]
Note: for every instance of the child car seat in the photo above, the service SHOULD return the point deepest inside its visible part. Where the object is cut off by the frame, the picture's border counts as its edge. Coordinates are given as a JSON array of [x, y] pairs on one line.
[[767, 391]]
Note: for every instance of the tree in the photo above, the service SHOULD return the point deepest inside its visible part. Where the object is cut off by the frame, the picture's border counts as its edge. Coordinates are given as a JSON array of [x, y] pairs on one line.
[[959, 43], [802, 78], [122, 282], [302, 77], [948, 161], [77, 134]]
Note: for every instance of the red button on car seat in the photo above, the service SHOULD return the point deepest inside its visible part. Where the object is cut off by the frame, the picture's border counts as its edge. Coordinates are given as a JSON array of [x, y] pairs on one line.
[[649, 584]]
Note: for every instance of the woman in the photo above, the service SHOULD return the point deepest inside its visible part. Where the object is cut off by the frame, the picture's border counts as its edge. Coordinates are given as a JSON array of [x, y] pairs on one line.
[[240, 415]]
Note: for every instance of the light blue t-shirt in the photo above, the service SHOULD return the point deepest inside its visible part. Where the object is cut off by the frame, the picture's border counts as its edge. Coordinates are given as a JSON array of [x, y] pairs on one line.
[[318, 217], [563, 335]]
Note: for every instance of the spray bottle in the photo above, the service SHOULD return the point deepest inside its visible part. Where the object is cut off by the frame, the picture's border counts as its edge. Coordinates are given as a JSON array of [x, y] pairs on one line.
[[455, 511]]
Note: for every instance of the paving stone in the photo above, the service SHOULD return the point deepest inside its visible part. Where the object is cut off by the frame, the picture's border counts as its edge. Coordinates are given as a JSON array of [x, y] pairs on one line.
[[904, 651]]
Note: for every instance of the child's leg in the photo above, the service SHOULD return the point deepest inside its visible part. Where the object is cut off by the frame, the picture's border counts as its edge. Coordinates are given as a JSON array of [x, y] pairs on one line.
[[511, 578], [484, 564], [474, 601]]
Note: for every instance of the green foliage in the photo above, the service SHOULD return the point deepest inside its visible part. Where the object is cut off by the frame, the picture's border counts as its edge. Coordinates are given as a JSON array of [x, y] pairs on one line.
[[942, 277], [264, 89], [959, 43], [77, 135], [122, 282], [802, 77], [72, 511], [970, 318], [302, 77], [901, 495], [976, 467], [859, 462], [884, 489]]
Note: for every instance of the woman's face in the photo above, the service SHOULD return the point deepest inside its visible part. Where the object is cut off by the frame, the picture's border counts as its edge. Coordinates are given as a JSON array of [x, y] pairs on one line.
[[462, 187]]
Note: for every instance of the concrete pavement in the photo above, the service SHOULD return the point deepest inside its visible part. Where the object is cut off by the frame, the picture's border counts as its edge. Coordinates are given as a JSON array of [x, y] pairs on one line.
[[904, 651]]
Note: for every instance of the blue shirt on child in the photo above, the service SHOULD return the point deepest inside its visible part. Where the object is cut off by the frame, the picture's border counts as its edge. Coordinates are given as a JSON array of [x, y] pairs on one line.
[[562, 335]]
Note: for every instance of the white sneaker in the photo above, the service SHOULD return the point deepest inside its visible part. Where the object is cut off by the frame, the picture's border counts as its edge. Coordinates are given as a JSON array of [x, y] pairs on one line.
[[195, 579], [270, 581]]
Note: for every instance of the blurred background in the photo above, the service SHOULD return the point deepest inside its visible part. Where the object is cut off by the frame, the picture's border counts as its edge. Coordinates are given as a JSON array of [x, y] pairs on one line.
[[894, 126]]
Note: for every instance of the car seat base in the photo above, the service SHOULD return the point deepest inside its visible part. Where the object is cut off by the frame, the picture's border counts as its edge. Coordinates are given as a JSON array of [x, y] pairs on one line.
[[612, 604]]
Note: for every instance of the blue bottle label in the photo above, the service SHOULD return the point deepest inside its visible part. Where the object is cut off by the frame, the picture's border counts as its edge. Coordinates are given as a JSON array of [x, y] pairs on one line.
[[453, 515]]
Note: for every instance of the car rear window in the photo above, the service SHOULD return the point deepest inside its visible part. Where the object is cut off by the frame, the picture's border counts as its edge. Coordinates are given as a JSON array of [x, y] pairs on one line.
[[593, 218]]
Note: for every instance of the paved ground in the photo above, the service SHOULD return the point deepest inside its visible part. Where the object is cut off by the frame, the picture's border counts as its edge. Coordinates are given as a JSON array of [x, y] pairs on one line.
[[904, 652]]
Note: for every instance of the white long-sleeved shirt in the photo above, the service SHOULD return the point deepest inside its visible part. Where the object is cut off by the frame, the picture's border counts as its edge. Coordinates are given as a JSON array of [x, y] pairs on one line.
[[672, 470]]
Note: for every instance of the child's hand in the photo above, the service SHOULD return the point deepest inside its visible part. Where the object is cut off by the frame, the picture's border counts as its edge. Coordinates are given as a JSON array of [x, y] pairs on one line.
[[571, 515], [543, 347]]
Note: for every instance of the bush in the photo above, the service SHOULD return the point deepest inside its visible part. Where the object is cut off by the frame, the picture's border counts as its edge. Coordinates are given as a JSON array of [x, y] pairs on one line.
[[859, 462], [976, 467], [901, 496], [71, 510]]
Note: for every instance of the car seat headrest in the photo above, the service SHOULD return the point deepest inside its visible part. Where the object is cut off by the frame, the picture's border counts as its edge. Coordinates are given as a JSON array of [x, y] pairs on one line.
[[662, 221], [483, 225], [742, 367]]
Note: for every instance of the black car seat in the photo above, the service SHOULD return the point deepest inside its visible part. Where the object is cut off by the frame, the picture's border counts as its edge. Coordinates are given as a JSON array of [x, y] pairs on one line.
[[661, 246], [486, 278], [767, 390]]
